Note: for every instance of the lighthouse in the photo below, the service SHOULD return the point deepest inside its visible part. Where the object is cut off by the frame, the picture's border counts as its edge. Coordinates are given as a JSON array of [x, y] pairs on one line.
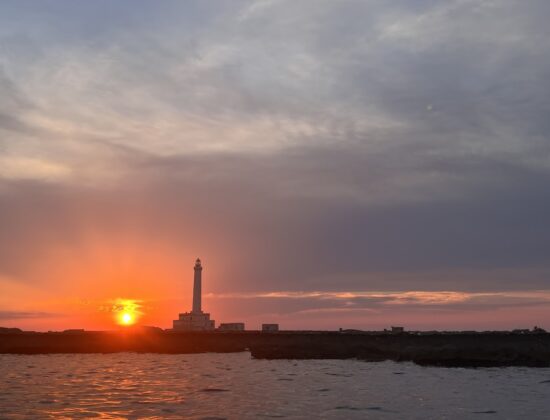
[[197, 287], [196, 320]]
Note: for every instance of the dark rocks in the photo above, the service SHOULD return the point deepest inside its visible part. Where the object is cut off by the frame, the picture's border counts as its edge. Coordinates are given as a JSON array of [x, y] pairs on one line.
[[5, 330], [437, 349]]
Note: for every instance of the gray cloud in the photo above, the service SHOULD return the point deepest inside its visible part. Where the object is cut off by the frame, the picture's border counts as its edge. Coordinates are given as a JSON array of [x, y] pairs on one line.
[[12, 104], [341, 144]]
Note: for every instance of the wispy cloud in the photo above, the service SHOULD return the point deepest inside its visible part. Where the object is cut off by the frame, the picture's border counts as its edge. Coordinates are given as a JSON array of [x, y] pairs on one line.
[[122, 305], [20, 315], [421, 298], [421, 295]]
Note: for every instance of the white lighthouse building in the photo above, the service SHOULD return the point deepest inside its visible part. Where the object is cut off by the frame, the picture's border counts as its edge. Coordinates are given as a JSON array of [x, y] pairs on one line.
[[196, 320]]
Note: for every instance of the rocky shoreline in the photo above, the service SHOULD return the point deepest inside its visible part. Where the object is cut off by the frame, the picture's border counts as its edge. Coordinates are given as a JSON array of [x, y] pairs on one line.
[[434, 349]]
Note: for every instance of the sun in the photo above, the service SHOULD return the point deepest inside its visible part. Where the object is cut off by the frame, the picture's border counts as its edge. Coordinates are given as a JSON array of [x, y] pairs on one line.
[[126, 318], [126, 312]]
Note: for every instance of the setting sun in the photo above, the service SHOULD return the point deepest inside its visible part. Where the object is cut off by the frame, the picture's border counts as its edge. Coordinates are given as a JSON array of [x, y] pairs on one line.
[[126, 319], [126, 311]]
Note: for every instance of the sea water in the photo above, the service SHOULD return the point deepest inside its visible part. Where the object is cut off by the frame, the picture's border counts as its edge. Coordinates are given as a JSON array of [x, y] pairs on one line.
[[235, 386]]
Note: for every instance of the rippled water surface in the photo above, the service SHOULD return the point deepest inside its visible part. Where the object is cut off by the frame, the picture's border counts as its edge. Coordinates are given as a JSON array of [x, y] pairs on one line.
[[235, 386]]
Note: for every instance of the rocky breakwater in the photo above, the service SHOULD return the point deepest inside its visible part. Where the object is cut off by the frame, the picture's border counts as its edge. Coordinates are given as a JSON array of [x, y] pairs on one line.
[[140, 341], [437, 349]]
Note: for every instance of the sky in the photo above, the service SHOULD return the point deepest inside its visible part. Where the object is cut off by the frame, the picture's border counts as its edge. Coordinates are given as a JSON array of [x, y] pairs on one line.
[[350, 164]]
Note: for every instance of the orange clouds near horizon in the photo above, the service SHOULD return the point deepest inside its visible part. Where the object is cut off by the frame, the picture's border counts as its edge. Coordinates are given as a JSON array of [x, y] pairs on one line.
[[373, 310]]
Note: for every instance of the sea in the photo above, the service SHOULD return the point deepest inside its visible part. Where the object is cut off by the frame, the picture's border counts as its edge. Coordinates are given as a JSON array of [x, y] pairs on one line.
[[236, 386]]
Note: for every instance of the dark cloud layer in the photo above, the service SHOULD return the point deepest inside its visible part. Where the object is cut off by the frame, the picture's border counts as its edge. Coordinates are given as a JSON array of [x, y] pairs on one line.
[[315, 145]]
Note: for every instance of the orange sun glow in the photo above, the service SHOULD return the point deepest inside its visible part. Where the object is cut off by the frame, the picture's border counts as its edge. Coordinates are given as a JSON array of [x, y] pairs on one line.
[[126, 311], [126, 318]]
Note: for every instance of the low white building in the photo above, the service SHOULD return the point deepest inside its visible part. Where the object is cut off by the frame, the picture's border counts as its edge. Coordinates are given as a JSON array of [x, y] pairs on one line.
[[270, 327], [231, 326]]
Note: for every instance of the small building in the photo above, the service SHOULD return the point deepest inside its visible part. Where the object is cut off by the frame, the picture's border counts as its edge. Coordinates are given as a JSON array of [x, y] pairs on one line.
[[231, 326], [521, 331], [270, 327], [193, 321], [397, 330]]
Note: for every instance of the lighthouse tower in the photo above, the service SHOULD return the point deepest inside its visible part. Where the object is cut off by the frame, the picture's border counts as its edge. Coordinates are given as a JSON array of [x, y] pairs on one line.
[[196, 320], [197, 287]]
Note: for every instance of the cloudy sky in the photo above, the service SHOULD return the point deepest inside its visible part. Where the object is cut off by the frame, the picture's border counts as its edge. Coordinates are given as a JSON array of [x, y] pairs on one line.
[[335, 164]]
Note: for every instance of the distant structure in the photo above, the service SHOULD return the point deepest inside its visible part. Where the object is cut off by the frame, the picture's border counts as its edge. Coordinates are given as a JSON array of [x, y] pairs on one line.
[[5, 330], [397, 330], [270, 327], [231, 326], [521, 331], [73, 331], [196, 320]]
